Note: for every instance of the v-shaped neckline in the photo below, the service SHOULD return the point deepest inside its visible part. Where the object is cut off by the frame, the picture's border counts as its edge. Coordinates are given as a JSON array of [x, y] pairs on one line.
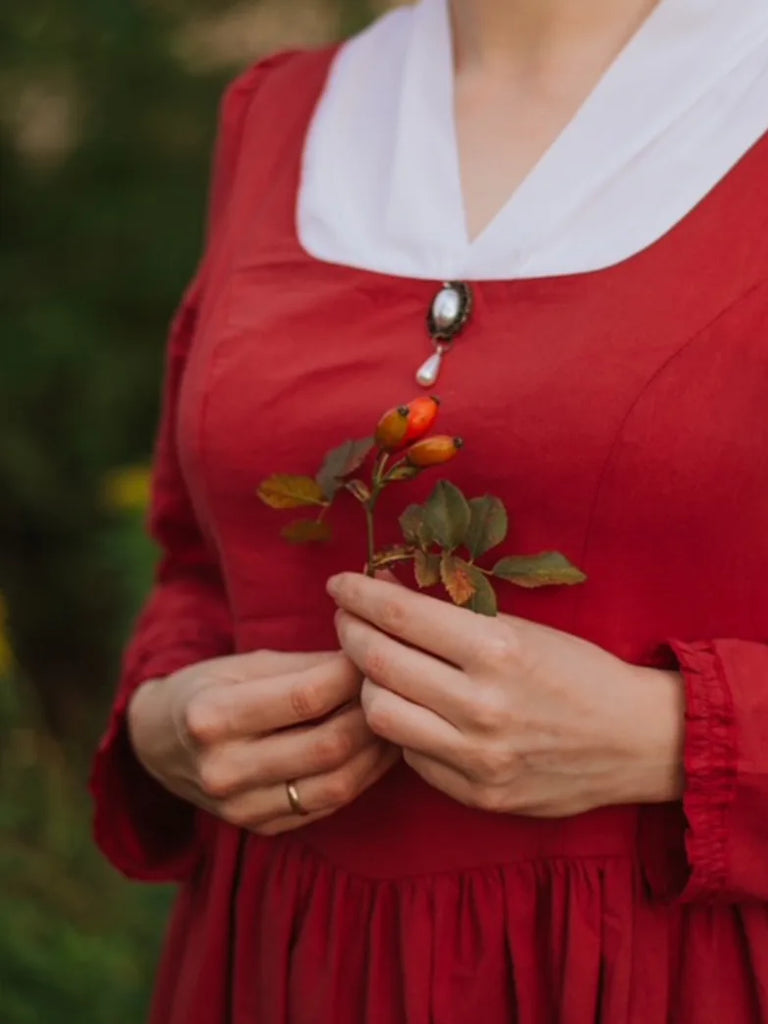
[[594, 145], [380, 183], [550, 155]]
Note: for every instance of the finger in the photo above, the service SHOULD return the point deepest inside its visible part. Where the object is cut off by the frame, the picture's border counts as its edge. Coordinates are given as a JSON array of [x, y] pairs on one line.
[[409, 725], [238, 668], [258, 707], [294, 821], [322, 793], [244, 764], [407, 671], [454, 634]]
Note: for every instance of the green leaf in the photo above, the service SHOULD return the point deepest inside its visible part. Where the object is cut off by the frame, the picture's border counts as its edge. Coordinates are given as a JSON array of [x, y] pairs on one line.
[[447, 515], [413, 523], [549, 568], [488, 525], [402, 472], [457, 578], [306, 531], [426, 568], [468, 586], [284, 490], [340, 463], [483, 601]]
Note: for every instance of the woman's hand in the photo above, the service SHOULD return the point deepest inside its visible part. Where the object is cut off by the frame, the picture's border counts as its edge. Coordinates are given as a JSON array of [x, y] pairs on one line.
[[227, 735], [505, 714]]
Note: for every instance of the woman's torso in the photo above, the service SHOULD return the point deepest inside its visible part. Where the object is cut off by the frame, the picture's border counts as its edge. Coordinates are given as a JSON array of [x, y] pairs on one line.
[[620, 416]]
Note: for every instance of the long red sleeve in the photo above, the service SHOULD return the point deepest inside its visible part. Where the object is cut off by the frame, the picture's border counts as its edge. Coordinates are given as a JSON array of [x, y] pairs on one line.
[[722, 822], [726, 763], [145, 831]]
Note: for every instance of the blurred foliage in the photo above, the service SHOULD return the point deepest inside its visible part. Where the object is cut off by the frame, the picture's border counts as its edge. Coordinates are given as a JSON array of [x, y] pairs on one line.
[[105, 141], [78, 945], [105, 138], [95, 250]]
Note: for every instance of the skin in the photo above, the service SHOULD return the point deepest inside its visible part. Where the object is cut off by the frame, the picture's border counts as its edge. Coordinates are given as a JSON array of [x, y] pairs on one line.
[[502, 714], [522, 70], [227, 734], [505, 714]]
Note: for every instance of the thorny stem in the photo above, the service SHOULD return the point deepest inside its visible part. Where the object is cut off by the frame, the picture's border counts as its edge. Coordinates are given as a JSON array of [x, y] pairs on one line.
[[379, 468], [377, 485], [369, 507]]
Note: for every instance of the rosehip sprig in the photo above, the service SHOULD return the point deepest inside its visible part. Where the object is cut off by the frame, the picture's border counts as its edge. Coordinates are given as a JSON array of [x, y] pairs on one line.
[[433, 532]]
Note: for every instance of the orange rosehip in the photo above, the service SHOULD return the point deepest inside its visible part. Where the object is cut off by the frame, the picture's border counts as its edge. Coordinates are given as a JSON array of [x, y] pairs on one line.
[[433, 451], [392, 428], [422, 413], [406, 423]]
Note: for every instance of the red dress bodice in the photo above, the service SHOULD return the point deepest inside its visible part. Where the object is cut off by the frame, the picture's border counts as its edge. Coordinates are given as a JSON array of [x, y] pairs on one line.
[[620, 414]]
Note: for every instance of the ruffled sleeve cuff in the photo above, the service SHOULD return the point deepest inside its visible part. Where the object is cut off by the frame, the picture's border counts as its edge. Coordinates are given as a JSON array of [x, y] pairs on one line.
[[714, 846]]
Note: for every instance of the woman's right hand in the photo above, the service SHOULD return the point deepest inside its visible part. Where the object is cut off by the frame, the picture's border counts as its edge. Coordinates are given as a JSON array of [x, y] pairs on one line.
[[229, 733]]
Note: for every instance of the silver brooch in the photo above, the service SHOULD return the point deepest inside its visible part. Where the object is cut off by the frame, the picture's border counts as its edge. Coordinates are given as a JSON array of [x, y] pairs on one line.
[[446, 318]]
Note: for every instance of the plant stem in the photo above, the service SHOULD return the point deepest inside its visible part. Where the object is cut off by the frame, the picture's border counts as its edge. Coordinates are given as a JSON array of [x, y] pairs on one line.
[[385, 559], [369, 507], [377, 485], [379, 469]]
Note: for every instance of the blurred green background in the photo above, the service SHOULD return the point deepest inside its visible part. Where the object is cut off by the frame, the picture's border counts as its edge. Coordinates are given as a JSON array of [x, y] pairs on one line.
[[107, 114]]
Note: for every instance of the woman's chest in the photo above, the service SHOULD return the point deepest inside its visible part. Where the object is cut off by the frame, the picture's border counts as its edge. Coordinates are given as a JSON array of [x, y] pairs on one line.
[[614, 413]]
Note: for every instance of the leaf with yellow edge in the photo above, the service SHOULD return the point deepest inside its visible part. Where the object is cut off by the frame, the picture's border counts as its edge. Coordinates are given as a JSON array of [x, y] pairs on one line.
[[549, 568], [283, 490], [457, 579], [426, 568], [306, 531]]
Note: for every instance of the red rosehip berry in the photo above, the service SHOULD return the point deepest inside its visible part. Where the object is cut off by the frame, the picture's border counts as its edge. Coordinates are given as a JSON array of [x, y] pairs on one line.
[[433, 451], [406, 423], [392, 428], [422, 413]]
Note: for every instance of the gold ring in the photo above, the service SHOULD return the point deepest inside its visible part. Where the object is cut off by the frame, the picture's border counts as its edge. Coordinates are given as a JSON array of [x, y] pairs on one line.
[[293, 799]]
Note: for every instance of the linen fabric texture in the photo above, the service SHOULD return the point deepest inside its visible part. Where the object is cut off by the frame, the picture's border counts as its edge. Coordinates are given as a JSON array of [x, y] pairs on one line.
[[620, 414]]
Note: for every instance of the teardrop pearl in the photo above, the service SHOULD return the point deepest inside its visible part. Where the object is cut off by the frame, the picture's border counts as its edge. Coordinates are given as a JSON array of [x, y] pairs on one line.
[[428, 372]]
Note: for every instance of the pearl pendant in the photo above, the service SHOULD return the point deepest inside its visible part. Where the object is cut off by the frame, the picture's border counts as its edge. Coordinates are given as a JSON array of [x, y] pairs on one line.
[[447, 315], [429, 371], [449, 311], [446, 308]]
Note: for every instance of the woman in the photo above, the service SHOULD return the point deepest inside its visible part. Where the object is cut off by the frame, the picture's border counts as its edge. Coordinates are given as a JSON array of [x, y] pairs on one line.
[[400, 811]]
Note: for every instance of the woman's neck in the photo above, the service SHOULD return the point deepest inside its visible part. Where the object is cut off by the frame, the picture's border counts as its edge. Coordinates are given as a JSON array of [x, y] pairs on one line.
[[533, 34]]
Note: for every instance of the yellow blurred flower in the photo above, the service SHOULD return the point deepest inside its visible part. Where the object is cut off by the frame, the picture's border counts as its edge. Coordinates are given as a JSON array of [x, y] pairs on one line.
[[127, 488], [6, 653]]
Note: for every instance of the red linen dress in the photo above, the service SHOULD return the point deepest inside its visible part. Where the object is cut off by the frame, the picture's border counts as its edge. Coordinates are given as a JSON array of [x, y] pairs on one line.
[[621, 415]]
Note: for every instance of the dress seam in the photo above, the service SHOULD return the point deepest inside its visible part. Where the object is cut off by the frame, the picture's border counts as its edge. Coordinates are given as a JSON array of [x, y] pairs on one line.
[[559, 859], [609, 458]]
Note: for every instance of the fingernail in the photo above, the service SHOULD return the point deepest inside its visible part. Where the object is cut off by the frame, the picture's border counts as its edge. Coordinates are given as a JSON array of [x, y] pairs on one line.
[[333, 585]]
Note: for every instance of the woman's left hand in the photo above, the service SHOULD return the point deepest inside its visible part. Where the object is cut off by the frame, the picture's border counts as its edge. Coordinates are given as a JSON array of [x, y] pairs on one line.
[[505, 714]]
